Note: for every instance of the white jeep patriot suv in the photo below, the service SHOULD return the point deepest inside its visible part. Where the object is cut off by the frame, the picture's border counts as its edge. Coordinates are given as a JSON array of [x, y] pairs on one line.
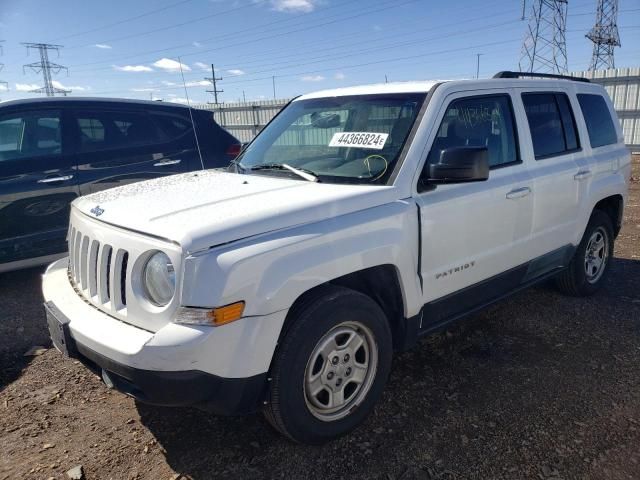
[[359, 220]]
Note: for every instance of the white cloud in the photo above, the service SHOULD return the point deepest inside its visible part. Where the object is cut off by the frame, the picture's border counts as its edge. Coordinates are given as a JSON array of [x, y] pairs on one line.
[[312, 78], [74, 88], [133, 68], [178, 100], [26, 87], [235, 72], [103, 46], [196, 44], [339, 76], [304, 6], [171, 65], [199, 83], [144, 89], [202, 66], [168, 83], [3, 87]]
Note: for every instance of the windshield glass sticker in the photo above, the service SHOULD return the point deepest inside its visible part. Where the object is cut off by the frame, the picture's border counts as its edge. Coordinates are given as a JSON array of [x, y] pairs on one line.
[[372, 140]]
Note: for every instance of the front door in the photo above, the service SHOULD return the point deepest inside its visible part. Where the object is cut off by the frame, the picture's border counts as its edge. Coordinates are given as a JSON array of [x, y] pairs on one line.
[[37, 183], [474, 235]]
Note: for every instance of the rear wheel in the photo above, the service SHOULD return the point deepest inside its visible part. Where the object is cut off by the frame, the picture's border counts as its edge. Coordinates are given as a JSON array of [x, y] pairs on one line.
[[331, 366], [590, 265]]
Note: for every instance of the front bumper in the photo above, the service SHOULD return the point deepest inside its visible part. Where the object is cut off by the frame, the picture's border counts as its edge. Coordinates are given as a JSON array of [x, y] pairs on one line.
[[177, 365], [224, 396]]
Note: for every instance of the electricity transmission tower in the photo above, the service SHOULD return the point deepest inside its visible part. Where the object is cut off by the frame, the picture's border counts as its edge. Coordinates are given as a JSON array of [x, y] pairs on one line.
[[46, 67], [544, 48], [213, 80], [604, 35]]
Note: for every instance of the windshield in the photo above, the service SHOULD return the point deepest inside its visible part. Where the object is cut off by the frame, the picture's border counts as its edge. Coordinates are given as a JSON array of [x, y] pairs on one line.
[[350, 139]]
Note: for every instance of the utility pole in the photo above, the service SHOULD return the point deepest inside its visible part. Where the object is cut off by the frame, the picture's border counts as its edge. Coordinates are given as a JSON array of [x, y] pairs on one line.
[[213, 80], [273, 81], [386, 80], [604, 35], [244, 99], [46, 67], [544, 48], [478, 55]]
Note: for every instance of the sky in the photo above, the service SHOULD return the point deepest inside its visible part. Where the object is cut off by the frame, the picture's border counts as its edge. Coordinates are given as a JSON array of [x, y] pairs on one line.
[[135, 48]]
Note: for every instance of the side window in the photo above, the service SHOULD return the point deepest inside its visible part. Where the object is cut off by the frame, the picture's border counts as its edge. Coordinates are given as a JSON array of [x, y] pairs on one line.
[[479, 122], [172, 126], [551, 123], [105, 130], [30, 134], [598, 119]]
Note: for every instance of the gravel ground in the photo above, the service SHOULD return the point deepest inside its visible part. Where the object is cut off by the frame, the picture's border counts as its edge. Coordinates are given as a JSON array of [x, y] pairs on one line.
[[539, 386]]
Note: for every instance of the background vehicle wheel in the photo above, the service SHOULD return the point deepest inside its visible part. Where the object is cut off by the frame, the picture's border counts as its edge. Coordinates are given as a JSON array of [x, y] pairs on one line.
[[590, 264], [331, 366]]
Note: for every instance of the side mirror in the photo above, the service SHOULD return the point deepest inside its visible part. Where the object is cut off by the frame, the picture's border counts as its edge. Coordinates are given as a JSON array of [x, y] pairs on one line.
[[460, 164]]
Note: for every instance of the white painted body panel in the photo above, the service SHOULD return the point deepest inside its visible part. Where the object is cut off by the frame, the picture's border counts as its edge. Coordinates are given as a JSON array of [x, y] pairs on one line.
[[266, 240], [239, 350]]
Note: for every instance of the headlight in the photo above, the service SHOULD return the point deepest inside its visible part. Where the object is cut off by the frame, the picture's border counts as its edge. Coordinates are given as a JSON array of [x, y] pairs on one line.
[[159, 279]]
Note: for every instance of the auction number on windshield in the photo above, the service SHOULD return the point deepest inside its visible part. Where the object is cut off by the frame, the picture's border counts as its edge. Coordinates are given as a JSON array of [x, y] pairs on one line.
[[359, 139]]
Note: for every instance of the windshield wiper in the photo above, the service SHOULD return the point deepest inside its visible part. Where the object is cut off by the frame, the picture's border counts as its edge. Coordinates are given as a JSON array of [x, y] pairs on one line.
[[306, 174]]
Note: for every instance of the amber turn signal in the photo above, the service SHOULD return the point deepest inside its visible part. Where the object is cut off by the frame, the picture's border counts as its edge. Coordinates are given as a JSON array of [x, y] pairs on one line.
[[227, 314]]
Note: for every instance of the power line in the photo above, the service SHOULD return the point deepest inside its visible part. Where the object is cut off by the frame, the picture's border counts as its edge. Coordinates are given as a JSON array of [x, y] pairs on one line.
[[46, 67], [331, 56], [392, 35], [376, 62], [604, 35], [120, 22], [175, 25], [336, 19]]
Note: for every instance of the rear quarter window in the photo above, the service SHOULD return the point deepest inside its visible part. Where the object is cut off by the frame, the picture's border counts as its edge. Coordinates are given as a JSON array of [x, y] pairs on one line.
[[172, 126], [597, 116]]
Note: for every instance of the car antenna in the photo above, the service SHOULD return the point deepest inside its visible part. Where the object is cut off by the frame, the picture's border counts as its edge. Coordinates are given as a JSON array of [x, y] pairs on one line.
[[193, 125]]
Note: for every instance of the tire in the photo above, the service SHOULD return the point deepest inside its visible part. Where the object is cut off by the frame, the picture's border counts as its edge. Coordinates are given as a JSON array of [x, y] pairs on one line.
[[320, 344], [582, 278]]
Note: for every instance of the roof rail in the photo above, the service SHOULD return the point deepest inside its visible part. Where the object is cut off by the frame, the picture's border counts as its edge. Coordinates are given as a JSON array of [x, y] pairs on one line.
[[508, 74]]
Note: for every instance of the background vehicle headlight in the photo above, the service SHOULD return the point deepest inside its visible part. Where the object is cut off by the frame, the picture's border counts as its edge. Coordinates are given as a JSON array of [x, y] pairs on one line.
[[159, 279]]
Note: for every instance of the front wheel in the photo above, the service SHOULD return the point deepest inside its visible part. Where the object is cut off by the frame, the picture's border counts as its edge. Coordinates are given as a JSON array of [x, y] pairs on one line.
[[331, 366], [590, 265]]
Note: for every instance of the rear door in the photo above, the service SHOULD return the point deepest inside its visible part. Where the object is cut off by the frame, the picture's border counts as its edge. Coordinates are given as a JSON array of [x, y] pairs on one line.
[[557, 166], [119, 145], [38, 181]]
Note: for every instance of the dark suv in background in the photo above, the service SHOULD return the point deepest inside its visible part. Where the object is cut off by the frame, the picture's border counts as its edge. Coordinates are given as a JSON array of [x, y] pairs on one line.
[[54, 150]]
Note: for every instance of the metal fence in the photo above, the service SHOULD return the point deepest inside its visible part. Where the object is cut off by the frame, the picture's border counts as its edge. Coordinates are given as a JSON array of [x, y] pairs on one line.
[[245, 120]]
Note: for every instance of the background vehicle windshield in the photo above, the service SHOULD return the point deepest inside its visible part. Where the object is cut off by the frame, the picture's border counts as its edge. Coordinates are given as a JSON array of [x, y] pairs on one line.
[[354, 139]]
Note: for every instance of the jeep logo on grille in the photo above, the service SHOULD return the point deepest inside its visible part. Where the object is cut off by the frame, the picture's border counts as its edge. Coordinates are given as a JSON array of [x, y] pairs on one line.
[[97, 211]]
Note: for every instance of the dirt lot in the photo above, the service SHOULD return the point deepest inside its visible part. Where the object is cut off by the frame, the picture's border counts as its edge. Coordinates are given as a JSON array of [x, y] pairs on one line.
[[539, 386]]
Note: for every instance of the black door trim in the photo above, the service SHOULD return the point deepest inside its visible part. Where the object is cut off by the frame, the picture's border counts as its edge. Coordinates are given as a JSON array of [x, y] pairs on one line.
[[442, 311]]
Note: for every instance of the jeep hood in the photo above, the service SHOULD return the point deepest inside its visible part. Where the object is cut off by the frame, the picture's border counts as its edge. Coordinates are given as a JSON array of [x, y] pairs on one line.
[[199, 210]]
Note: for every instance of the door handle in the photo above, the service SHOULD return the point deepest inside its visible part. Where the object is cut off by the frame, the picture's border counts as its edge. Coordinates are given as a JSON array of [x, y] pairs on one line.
[[518, 193], [582, 175], [63, 178], [166, 163]]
